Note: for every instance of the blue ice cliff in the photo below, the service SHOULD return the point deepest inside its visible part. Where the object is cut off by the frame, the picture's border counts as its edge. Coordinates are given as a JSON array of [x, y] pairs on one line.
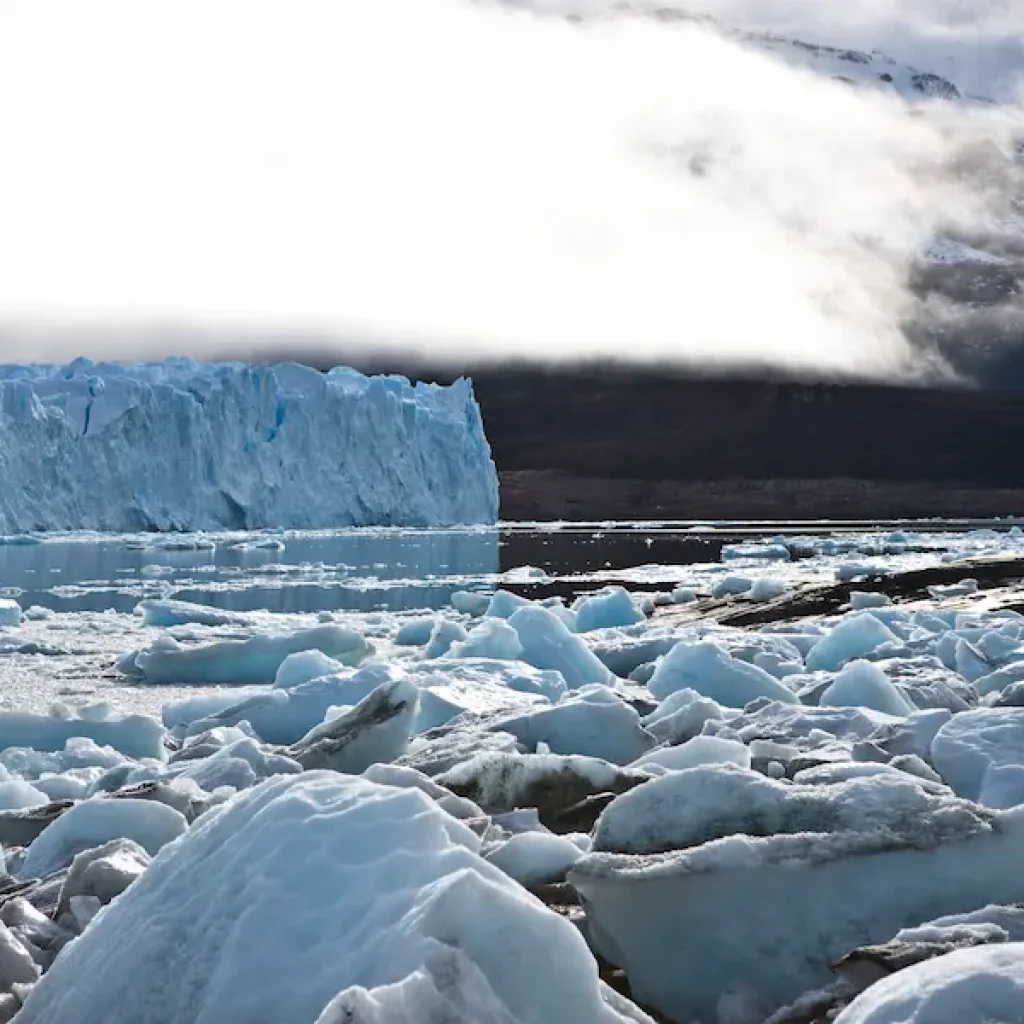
[[181, 445]]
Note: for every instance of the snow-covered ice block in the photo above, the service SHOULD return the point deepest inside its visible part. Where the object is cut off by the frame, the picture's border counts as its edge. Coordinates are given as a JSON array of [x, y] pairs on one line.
[[415, 632], [504, 604], [870, 856], [535, 858], [16, 964], [10, 612], [504, 781], [969, 743], [255, 660], [492, 638], [548, 643], [376, 730], [711, 801], [863, 684], [607, 729], [774, 551], [765, 588], [605, 609], [104, 872], [285, 716], [855, 636], [713, 672], [95, 822], [471, 603], [730, 585], [134, 735], [984, 983], [303, 666], [697, 751], [165, 613], [445, 633], [15, 794], [860, 600], [185, 445], [325, 898], [451, 687], [1002, 786]]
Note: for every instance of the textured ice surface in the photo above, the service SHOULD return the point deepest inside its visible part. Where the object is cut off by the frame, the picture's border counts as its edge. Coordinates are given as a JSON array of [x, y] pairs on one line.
[[972, 743], [302, 890], [713, 672], [743, 896], [255, 660], [185, 445], [983, 984], [94, 822]]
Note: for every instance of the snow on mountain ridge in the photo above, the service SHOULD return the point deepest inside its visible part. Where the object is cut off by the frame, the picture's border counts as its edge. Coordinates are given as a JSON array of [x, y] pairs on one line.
[[187, 445]]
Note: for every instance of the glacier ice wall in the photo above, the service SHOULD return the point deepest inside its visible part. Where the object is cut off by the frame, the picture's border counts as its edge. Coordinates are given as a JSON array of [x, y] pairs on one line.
[[182, 445]]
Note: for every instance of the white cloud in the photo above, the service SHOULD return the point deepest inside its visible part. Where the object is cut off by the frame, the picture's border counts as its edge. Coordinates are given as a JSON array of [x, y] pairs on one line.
[[461, 179]]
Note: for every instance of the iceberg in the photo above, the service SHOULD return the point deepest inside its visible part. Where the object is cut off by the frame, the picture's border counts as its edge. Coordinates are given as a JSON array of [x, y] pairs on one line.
[[182, 445]]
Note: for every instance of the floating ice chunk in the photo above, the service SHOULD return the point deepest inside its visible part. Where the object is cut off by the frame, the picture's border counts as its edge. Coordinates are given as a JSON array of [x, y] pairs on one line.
[[767, 589], [775, 551], [303, 666], [492, 638], [684, 595], [608, 729], [134, 735], [166, 613], [863, 684], [535, 858], [185, 445], [285, 716], [504, 604], [854, 636], [255, 660], [730, 585], [606, 608], [699, 750], [382, 886], [376, 729], [445, 633], [709, 670], [962, 589], [10, 612], [470, 603], [983, 983], [860, 600], [95, 822], [415, 632], [547, 643], [969, 743]]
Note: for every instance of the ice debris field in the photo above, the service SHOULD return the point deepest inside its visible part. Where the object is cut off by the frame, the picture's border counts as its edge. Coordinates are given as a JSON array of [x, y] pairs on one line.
[[295, 770], [783, 786]]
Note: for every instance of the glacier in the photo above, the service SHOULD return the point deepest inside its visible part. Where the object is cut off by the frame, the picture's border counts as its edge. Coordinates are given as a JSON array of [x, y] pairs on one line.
[[183, 445]]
